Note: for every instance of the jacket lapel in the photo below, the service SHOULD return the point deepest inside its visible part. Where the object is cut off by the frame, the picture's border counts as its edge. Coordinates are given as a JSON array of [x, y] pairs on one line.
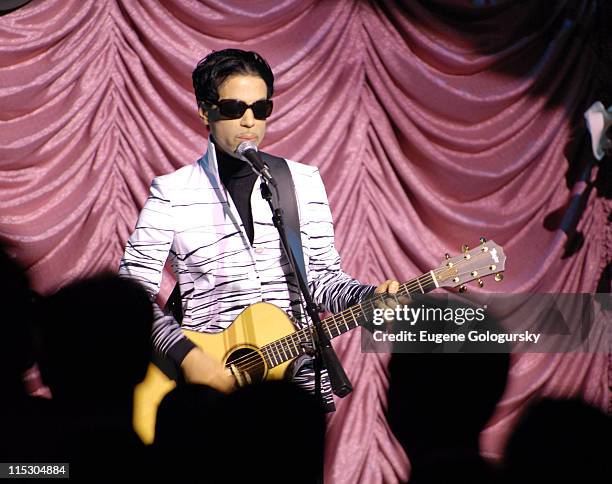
[[209, 164]]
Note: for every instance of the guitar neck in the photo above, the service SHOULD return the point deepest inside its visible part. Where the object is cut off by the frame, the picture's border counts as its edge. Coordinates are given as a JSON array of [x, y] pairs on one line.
[[292, 345]]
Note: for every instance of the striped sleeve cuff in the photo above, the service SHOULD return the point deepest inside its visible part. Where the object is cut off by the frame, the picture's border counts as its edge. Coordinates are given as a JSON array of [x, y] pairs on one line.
[[179, 350]]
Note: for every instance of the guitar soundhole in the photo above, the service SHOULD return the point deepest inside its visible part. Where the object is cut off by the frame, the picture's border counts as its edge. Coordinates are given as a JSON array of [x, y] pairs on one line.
[[249, 363]]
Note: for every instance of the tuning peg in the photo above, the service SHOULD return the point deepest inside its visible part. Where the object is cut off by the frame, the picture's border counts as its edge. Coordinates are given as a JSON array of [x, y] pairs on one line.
[[465, 248], [482, 240], [462, 288], [447, 256], [480, 282], [499, 276]]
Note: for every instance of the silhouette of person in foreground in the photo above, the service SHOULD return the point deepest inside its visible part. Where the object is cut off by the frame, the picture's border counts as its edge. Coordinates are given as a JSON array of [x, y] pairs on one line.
[[96, 340], [26, 433], [186, 433], [438, 403], [274, 430], [561, 441]]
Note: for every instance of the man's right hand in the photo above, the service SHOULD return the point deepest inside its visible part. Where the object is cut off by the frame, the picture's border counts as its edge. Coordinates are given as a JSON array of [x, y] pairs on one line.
[[202, 369]]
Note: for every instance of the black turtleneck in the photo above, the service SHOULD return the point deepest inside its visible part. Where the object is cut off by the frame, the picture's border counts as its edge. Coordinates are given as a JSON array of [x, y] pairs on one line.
[[238, 179]]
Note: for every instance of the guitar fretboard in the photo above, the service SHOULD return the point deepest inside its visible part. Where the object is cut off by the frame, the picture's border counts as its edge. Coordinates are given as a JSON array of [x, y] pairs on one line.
[[296, 344]]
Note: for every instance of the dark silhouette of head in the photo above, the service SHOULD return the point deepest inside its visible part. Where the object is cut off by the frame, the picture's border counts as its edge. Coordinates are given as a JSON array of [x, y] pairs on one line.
[[28, 431], [271, 418], [442, 401], [96, 340], [16, 301], [188, 410], [560, 441], [438, 405], [186, 430], [95, 347]]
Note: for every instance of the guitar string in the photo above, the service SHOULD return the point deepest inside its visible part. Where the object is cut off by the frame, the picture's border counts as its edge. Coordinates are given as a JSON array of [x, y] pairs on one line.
[[255, 356], [256, 359], [347, 312]]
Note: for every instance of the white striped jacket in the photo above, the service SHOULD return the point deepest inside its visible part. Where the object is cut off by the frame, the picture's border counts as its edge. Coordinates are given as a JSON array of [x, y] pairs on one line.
[[190, 218]]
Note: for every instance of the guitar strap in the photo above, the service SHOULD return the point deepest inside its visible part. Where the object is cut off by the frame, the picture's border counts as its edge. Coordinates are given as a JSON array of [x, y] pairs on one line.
[[286, 196], [287, 200]]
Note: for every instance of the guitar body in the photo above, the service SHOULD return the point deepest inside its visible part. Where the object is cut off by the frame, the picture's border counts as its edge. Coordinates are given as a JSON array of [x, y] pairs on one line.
[[256, 326]]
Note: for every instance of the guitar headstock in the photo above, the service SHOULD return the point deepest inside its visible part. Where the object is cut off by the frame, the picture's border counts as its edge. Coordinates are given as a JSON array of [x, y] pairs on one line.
[[486, 259]]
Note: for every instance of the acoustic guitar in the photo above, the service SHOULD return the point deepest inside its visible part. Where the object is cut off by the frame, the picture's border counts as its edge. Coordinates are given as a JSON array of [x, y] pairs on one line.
[[263, 340]]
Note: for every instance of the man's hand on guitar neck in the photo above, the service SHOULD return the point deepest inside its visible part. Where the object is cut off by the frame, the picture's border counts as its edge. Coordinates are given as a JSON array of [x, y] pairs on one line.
[[200, 368], [390, 286]]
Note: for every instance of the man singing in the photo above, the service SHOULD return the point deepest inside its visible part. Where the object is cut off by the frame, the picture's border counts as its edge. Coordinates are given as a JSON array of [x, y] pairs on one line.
[[210, 218]]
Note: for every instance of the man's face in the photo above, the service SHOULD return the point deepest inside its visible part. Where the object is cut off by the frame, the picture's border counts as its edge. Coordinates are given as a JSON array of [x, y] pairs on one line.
[[229, 133]]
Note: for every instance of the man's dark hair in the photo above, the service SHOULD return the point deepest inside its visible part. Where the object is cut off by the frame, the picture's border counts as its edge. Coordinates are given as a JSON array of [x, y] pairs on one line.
[[217, 66]]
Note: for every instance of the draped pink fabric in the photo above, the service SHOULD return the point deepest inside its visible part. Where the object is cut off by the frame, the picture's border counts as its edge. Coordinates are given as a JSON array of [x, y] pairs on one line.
[[433, 123]]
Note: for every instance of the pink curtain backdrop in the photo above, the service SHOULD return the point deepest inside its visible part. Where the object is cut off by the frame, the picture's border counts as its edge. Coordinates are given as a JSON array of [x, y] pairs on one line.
[[433, 123]]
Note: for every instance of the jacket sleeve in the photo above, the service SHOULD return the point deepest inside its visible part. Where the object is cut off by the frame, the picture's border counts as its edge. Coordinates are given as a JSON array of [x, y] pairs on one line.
[[329, 285], [143, 261]]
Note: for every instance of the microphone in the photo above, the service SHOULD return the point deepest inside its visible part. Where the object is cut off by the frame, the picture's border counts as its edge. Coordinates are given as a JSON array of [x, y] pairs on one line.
[[247, 151]]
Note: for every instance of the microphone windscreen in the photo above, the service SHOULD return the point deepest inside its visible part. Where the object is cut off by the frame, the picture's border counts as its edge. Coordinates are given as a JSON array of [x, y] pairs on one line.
[[244, 147]]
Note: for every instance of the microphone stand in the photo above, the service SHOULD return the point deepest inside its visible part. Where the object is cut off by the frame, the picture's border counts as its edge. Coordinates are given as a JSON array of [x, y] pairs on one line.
[[324, 354]]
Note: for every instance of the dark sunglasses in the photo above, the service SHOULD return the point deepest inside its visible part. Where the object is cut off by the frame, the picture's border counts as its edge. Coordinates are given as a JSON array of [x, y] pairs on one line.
[[235, 109]]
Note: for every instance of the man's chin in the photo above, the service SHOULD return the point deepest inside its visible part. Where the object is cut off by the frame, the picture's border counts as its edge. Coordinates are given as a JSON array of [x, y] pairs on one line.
[[224, 148]]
